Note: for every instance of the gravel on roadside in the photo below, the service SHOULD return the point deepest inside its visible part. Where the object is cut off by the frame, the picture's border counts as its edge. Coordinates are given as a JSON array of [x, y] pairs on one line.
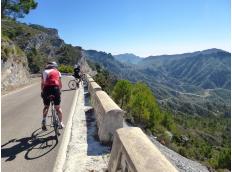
[[183, 164]]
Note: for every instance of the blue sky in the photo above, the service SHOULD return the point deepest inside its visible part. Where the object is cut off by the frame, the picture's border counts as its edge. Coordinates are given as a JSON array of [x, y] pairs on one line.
[[142, 27]]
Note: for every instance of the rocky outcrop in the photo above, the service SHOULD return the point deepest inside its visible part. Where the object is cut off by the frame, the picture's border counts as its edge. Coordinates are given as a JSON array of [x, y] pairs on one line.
[[85, 66], [40, 38], [14, 66]]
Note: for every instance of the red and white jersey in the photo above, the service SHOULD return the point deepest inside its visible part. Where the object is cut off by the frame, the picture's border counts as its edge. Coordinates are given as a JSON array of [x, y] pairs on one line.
[[51, 77]]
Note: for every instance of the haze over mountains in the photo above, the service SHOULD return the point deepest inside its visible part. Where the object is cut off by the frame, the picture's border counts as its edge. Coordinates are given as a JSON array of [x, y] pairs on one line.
[[128, 58], [195, 83]]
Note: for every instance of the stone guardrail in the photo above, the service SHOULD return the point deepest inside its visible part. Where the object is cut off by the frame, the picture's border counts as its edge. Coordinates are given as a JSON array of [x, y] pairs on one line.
[[132, 151], [93, 87], [89, 78], [109, 116]]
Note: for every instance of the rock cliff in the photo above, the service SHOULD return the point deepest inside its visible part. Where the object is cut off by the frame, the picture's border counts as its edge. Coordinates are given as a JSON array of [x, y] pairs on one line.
[[27, 48], [14, 66]]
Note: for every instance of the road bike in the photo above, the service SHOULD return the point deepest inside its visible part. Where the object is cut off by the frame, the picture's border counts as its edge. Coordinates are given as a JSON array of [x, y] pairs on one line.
[[74, 83], [54, 118]]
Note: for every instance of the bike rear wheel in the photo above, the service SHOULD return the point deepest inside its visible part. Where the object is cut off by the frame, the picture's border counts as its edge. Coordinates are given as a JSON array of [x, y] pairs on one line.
[[55, 123], [72, 84]]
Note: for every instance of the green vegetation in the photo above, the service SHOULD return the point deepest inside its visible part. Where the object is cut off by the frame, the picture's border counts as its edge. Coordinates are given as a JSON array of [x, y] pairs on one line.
[[36, 61], [122, 93], [206, 139], [69, 55], [40, 45], [65, 68], [142, 106], [104, 78], [13, 29], [203, 75], [17, 9], [9, 49]]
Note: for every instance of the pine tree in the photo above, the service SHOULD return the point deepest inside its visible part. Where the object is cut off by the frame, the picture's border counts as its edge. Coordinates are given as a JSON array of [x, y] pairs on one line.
[[17, 8], [122, 92]]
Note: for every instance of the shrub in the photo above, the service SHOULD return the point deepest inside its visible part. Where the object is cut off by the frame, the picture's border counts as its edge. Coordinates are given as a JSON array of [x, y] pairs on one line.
[[65, 68], [143, 106], [121, 93]]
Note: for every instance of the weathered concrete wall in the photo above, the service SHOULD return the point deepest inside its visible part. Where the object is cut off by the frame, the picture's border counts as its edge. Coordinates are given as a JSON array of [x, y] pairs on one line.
[[93, 87], [109, 116], [132, 151], [89, 78]]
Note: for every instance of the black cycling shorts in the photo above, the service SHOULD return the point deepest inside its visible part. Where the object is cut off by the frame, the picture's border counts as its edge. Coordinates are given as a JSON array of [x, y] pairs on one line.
[[77, 76], [51, 90]]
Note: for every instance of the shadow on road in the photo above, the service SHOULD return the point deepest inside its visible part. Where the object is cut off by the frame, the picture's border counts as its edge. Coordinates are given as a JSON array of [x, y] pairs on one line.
[[39, 144], [95, 148]]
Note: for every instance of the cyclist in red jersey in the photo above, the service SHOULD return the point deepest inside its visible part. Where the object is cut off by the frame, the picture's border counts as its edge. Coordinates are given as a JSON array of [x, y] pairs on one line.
[[51, 85]]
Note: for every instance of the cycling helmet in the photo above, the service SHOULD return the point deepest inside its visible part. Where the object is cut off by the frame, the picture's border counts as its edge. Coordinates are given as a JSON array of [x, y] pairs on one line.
[[52, 64], [77, 66]]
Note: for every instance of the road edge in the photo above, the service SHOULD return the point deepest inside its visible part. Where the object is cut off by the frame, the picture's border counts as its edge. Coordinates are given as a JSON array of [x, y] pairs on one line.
[[19, 89], [61, 156]]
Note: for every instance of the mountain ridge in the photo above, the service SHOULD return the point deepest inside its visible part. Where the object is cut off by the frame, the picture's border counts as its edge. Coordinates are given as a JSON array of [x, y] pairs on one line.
[[188, 73], [128, 58]]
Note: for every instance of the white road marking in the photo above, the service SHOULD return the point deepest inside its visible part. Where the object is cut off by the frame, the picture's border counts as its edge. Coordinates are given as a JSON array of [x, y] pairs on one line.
[[61, 156]]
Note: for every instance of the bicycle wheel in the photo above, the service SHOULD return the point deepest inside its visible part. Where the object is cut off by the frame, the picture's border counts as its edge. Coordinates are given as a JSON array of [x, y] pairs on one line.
[[72, 84]]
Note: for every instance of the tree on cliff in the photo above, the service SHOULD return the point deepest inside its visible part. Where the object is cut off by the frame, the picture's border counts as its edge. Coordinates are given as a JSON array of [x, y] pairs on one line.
[[17, 8], [143, 106], [122, 92]]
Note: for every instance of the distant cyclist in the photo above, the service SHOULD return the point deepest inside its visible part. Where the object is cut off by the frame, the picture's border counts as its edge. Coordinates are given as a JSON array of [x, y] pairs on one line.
[[77, 73], [51, 85], [77, 70]]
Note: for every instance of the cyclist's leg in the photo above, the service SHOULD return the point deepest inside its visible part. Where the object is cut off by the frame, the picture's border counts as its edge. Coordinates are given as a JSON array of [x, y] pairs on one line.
[[60, 115], [45, 111], [59, 112], [46, 103], [57, 105]]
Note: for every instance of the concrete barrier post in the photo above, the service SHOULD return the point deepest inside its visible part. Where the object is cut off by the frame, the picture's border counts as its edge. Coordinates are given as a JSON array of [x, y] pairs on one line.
[[132, 151], [93, 87], [89, 78], [109, 116]]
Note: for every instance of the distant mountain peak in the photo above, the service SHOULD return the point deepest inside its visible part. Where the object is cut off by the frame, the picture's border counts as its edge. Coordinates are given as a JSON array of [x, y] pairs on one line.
[[128, 58], [212, 50]]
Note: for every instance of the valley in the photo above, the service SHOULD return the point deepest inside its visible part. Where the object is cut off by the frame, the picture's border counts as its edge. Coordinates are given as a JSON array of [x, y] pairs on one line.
[[195, 83]]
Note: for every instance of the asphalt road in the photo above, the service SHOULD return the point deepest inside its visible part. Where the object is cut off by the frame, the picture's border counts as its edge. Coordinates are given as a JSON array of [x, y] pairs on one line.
[[24, 146]]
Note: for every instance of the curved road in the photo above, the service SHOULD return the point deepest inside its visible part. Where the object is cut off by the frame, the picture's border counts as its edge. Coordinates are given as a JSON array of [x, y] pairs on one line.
[[25, 147]]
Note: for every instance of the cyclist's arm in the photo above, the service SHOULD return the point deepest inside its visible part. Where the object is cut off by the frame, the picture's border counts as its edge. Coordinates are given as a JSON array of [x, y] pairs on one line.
[[60, 83]]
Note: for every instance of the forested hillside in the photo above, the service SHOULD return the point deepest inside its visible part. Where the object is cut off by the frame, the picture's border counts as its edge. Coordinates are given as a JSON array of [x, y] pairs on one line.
[[193, 83], [200, 129]]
